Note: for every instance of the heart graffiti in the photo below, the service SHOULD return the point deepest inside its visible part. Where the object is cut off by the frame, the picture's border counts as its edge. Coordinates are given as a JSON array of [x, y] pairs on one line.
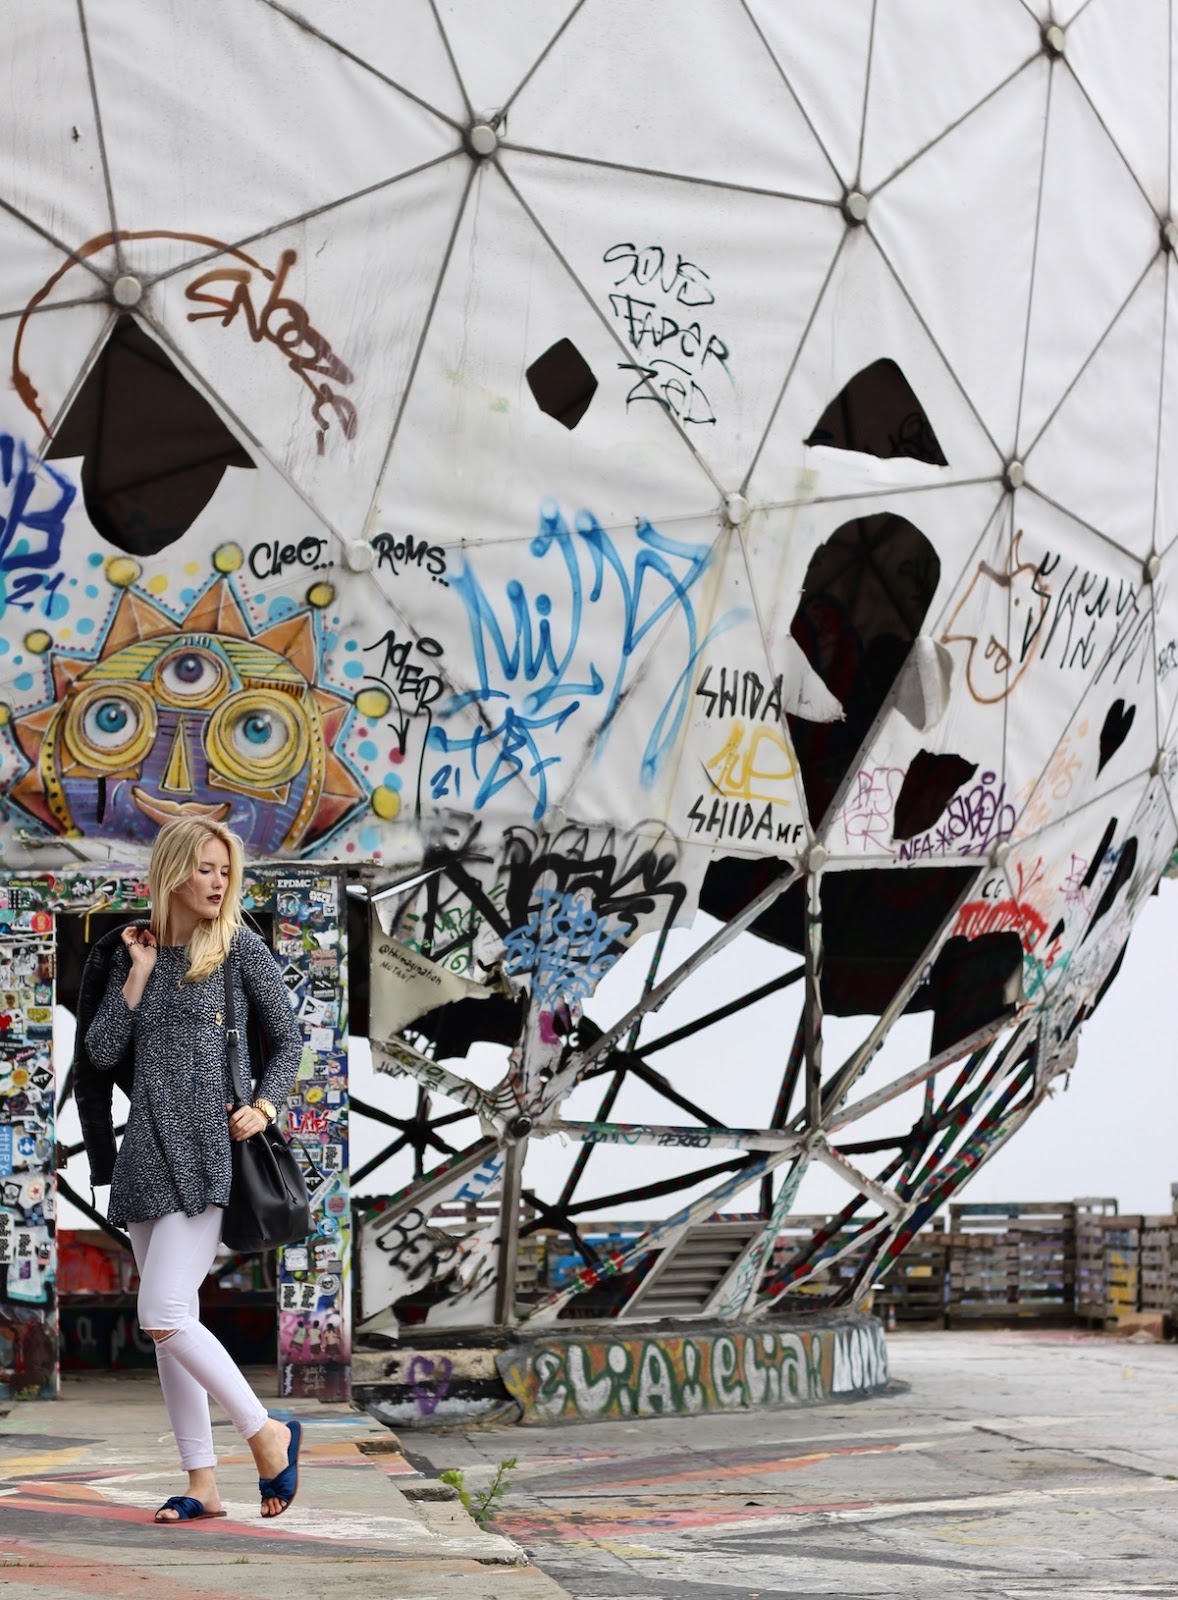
[[429, 1382]]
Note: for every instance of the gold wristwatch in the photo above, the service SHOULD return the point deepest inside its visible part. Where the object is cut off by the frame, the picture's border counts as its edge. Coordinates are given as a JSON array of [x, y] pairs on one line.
[[264, 1106]]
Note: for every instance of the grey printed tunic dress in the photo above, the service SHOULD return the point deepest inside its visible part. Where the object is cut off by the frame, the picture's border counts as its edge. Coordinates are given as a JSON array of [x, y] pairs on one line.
[[175, 1152]]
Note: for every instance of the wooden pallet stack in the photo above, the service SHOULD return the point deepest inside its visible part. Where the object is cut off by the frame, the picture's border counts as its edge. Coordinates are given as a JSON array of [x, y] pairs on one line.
[[1140, 1269], [1090, 1214], [914, 1290], [1011, 1261], [1122, 1267], [1158, 1264]]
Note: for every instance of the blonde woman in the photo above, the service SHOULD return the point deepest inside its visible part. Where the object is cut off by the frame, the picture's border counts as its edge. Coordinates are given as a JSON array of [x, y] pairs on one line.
[[165, 1003]]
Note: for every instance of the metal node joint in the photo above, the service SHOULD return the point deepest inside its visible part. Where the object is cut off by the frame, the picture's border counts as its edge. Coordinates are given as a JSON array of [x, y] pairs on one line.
[[736, 510], [482, 140], [126, 292], [1054, 40]]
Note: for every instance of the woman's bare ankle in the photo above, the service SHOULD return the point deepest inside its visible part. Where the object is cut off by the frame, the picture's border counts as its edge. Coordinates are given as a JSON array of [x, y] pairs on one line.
[[202, 1486], [271, 1437]]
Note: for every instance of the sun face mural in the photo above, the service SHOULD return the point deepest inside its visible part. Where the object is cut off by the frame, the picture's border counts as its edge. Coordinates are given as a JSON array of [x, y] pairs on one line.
[[199, 716]]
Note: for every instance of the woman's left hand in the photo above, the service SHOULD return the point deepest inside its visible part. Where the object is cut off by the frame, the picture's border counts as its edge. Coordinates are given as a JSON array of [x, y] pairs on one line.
[[247, 1121]]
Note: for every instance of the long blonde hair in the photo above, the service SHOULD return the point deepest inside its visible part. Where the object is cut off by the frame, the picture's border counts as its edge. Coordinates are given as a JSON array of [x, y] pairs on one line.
[[175, 856]]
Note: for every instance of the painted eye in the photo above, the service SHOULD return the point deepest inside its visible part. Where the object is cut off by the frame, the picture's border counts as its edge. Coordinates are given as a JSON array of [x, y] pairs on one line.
[[110, 723], [258, 737], [191, 676], [110, 729]]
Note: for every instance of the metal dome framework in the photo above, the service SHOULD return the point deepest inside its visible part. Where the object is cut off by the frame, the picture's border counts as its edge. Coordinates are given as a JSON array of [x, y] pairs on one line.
[[684, 470]]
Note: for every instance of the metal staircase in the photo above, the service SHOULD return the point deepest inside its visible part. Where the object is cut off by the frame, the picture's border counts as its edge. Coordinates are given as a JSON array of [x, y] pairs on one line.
[[686, 1276]]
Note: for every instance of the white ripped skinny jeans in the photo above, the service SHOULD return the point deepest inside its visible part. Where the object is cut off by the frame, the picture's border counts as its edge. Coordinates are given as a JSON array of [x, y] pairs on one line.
[[174, 1255]]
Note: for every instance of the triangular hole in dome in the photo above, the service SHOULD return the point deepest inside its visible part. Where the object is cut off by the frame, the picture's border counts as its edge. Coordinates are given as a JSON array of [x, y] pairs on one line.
[[153, 449], [877, 413], [866, 594]]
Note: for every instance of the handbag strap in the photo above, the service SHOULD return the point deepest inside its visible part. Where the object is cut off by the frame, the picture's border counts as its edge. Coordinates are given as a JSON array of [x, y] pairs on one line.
[[233, 1056], [232, 1033]]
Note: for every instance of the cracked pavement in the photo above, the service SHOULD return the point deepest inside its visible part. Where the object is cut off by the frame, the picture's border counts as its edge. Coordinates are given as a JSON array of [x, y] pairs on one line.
[[1004, 1465]]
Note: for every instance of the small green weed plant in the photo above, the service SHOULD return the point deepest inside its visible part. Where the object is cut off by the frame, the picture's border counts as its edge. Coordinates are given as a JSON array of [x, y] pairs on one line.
[[482, 1505]]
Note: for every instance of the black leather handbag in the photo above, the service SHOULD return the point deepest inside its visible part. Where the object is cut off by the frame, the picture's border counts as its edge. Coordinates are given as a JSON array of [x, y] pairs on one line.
[[268, 1202]]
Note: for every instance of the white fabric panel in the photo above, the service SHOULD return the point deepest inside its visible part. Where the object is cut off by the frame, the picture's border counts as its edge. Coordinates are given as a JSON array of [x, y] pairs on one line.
[[1170, 758], [319, 127], [731, 781], [475, 455], [362, 280], [780, 545], [496, 47], [958, 225], [1087, 642], [52, 166], [47, 359], [823, 53], [412, 52], [1110, 244], [684, 288], [1153, 833], [781, 541], [1048, 877], [1110, 742], [27, 263], [864, 316], [1120, 54], [1155, 828], [733, 120], [970, 619], [1166, 649], [1098, 454], [1166, 512], [85, 276], [1061, 11], [959, 54], [545, 642]]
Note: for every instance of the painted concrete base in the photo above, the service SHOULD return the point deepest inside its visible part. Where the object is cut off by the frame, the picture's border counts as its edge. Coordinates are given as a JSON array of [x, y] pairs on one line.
[[423, 1382], [613, 1371]]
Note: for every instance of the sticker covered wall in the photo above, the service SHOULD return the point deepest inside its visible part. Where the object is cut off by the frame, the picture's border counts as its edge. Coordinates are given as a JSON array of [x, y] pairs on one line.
[[28, 1191], [315, 1278]]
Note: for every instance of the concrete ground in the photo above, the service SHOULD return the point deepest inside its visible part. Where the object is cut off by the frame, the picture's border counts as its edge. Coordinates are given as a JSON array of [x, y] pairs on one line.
[[1009, 1466], [80, 1479]]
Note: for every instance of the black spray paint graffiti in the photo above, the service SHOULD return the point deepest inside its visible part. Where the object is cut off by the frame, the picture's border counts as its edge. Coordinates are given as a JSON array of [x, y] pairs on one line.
[[652, 302], [426, 1255], [972, 824], [1082, 608], [1060, 613], [408, 672], [575, 901], [400, 555], [273, 558], [562, 906]]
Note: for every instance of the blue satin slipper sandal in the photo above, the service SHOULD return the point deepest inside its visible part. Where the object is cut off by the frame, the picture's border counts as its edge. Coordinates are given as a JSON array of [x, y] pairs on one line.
[[285, 1484], [187, 1509]]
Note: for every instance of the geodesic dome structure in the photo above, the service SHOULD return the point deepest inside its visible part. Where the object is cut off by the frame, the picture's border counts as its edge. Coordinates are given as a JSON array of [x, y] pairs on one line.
[[577, 465]]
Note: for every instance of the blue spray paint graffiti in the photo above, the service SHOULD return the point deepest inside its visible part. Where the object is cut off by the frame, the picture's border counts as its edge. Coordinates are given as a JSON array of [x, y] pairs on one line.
[[539, 662], [566, 946], [35, 499]]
